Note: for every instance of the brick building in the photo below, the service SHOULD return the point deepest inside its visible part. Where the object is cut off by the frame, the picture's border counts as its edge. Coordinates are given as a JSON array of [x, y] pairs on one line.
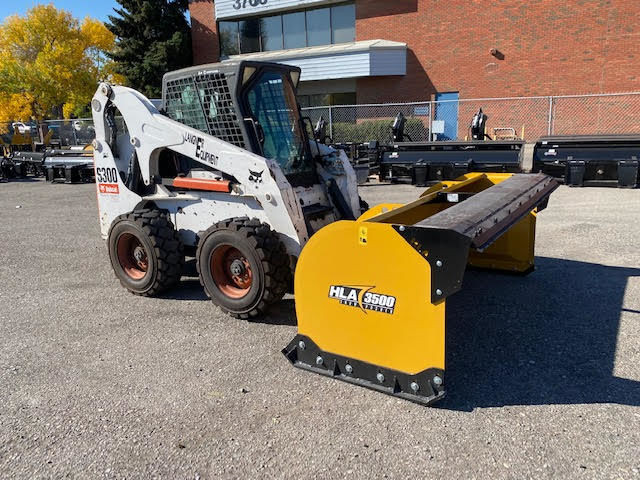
[[367, 51]]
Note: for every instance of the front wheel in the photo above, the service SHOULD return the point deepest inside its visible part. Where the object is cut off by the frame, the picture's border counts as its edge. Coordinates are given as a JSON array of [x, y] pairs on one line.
[[146, 252], [243, 266]]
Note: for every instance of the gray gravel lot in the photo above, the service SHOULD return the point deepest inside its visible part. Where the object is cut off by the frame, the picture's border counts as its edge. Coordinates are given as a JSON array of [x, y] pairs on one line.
[[543, 372]]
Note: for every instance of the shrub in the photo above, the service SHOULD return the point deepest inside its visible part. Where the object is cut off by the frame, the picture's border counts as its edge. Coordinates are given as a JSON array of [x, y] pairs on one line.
[[380, 130]]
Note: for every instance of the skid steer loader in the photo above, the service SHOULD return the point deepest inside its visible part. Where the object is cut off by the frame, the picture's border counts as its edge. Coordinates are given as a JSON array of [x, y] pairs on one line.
[[227, 172]]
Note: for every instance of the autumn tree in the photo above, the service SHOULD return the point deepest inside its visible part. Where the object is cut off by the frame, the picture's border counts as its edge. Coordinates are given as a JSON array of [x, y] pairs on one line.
[[51, 63], [152, 38]]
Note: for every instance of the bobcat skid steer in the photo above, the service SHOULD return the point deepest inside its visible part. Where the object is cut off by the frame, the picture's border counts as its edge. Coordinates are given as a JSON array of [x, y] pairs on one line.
[[226, 172]]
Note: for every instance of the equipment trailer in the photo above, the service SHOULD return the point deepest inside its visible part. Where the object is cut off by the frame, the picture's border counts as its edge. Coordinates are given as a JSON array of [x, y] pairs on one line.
[[227, 172], [590, 160]]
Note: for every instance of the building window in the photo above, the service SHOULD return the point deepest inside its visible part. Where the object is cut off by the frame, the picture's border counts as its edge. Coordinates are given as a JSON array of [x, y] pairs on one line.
[[343, 23], [319, 27], [229, 40], [304, 28], [294, 31], [249, 35], [326, 99], [271, 33]]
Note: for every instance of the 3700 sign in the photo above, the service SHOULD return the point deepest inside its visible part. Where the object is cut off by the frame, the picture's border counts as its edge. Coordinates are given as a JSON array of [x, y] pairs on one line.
[[238, 4]]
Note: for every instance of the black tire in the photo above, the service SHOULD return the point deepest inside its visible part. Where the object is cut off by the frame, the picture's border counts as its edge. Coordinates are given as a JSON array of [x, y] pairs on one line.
[[146, 252], [364, 206], [243, 266]]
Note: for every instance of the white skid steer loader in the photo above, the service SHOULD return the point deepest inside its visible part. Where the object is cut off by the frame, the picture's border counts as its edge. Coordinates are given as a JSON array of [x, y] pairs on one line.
[[226, 172]]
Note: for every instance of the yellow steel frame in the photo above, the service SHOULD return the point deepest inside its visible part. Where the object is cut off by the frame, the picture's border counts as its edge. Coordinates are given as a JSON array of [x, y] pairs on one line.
[[370, 256]]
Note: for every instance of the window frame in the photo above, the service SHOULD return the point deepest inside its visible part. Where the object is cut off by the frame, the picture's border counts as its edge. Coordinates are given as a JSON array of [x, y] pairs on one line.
[[281, 15]]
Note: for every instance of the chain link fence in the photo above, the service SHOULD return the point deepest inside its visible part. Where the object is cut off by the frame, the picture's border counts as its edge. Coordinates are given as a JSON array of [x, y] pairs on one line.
[[527, 118], [56, 133]]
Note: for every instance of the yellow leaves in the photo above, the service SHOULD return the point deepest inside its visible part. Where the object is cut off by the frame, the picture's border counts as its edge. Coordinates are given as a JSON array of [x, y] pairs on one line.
[[97, 35], [49, 59], [15, 106]]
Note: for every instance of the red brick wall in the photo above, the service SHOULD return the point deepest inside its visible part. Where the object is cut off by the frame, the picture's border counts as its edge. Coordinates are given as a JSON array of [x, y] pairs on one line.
[[204, 32], [547, 47]]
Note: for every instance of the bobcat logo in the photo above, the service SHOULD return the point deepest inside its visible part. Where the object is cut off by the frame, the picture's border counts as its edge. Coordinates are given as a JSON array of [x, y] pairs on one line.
[[255, 176]]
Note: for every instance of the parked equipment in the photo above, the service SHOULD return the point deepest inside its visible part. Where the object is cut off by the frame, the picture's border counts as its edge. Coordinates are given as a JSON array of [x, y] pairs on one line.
[[422, 162], [69, 166], [426, 162], [21, 165], [227, 173], [478, 126], [590, 160]]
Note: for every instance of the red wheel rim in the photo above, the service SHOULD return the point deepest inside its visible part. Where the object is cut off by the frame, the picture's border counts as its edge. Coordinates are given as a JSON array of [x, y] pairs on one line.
[[132, 256], [231, 271]]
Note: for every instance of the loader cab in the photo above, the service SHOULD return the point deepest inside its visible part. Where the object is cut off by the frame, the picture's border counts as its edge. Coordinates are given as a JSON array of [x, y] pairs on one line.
[[272, 113], [251, 105]]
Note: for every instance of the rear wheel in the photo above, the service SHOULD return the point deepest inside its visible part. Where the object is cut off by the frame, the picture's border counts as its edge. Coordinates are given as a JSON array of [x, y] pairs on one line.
[[146, 252], [243, 266]]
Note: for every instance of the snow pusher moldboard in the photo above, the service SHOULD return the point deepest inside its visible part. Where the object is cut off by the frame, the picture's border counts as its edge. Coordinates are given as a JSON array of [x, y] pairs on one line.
[[370, 294]]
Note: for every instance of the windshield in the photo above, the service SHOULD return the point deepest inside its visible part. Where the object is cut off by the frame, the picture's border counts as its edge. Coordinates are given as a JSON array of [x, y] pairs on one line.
[[273, 104]]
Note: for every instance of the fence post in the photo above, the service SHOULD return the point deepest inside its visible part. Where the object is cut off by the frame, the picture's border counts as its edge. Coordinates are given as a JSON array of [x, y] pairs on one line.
[[430, 122], [550, 118], [331, 122]]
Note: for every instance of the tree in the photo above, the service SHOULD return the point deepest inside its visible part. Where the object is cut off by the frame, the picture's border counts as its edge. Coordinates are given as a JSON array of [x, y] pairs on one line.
[[152, 38], [51, 63]]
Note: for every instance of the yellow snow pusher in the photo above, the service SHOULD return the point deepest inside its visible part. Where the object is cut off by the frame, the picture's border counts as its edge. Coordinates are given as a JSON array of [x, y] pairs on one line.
[[370, 294]]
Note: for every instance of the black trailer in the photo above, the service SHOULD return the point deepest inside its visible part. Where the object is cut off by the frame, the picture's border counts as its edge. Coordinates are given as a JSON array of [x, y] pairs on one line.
[[69, 166], [590, 160], [59, 166], [423, 162]]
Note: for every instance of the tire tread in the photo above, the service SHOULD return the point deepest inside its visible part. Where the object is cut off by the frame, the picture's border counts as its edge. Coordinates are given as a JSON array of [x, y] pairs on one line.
[[269, 249]]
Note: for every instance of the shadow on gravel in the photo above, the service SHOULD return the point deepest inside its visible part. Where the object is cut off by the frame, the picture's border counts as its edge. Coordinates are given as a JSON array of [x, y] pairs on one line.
[[187, 289], [548, 338], [281, 313], [21, 180]]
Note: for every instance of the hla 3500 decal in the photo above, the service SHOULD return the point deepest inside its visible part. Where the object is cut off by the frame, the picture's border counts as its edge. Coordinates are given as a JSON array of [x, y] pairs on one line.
[[361, 297]]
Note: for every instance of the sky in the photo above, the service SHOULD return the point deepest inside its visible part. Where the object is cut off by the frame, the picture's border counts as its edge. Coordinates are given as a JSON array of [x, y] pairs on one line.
[[79, 8]]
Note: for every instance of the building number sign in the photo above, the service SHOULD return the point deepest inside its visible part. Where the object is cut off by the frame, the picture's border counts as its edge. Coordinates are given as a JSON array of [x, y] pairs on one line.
[[239, 4]]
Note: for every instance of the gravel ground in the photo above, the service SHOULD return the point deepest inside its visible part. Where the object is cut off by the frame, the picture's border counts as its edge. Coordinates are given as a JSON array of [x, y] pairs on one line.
[[543, 372]]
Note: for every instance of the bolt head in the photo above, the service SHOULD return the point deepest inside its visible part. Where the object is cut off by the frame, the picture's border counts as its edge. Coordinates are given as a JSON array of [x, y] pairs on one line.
[[348, 368], [380, 377], [414, 386], [439, 263], [438, 292], [319, 360], [437, 380], [302, 345], [402, 228]]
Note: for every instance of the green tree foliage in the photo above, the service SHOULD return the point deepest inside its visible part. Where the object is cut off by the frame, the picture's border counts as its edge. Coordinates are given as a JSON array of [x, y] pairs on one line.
[[152, 37]]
